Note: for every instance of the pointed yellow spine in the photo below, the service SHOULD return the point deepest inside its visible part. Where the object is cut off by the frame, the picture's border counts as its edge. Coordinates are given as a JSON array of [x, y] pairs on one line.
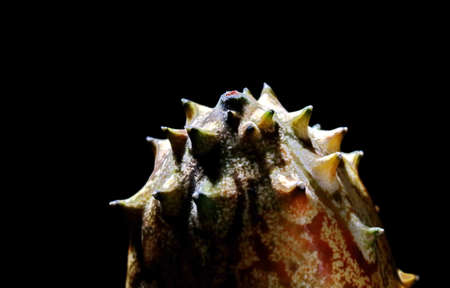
[[267, 90], [169, 196], [202, 140], [266, 123], [407, 279], [193, 110], [120, 203], [155, 144], [351, 161], [232, 119], [170, 201], [177, 138], [160, 148], [137, 202], [327, 141], [300, 122], [269, 100], [249, 131], [249, 94], [134, 204], [353, 158], [365, 237], [324, 171], [203, 199]]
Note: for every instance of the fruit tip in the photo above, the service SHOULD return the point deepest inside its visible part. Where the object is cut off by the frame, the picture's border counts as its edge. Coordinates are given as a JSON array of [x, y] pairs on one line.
[[190, 129], [157, 195], [116, 203], [246, 91], [267, 89], [377, 231], [301, 186], [113, 203], [250, 129], [407, 279]]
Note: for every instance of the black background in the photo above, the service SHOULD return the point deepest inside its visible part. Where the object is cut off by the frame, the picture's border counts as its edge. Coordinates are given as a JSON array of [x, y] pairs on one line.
[[108, 84]]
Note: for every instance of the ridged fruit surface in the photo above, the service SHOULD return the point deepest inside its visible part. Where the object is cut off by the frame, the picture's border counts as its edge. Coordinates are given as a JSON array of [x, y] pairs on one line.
[[249, 195]]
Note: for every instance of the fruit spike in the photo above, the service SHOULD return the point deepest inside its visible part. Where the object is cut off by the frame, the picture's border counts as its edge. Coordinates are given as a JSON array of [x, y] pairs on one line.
[[232, 118], [266, 123], [134, 204], [155, 143], [202, 140], [249, 95], [205, 205], [250, 132], [351, 162], [300, 122], [269, 100], [177, 138], [353, 158], [126, 204], [324, 170], [407, 279], [365, 237], [327, 141], [193, 110], [232, 201]]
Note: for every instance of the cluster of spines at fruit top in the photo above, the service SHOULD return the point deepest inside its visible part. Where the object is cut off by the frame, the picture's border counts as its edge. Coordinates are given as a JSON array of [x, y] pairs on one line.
[[199, 140]]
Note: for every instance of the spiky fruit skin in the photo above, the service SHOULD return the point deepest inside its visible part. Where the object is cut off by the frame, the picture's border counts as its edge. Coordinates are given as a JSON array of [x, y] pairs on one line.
[[249, 195]]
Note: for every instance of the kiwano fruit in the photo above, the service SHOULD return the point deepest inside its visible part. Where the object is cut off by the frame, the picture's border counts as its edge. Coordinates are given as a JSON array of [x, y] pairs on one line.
[[249, 195]]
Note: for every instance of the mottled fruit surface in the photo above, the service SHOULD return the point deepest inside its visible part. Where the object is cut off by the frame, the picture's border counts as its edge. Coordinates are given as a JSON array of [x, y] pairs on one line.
[[249, 195]]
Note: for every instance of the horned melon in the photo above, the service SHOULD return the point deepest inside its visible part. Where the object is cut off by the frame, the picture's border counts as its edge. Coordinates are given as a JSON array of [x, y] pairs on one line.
[[250, 195]]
